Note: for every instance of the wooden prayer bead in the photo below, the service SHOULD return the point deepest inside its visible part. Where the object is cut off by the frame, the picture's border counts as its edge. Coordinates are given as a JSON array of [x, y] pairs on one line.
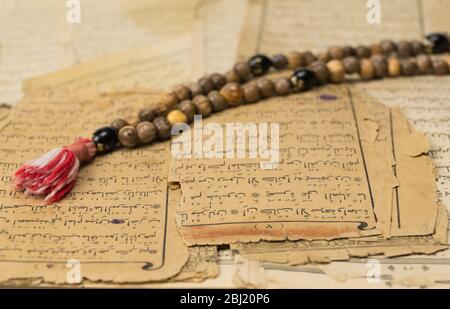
[[351, 64], [232, 93], [363, 52], [203, 105], [303, 79], [218, 80], [440, 67], [232, 77], [394, 68], [417, 48], [424, 64], [324, 56], [348, 51], [146, 131], [176, 116], [375, 49], [283, 86], [195, 89], [266, 87], [336, 52], [163, 127], [319, 68], [409, 67], [169, 99], [380, 66], [182, 92], [188, 108], [206, 84], [251, 93], [147, 114], [308, 58], [404, 49], [387, 47], [128, 136], [367, 70], [295, 60], [119, 124], [280, 61], [133, 121], [243, 70], [218, 103], [337, 71]]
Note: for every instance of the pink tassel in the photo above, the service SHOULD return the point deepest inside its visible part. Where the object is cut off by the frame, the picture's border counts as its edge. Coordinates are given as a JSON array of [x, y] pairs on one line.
[[54, 174]]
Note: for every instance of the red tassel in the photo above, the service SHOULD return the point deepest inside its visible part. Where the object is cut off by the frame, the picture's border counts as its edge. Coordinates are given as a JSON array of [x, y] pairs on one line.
[[54, 174]]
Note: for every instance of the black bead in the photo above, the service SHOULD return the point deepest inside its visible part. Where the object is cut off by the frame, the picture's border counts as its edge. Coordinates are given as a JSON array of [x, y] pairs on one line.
[[259, 64], [304, 76], [439, 43], [105, 139]]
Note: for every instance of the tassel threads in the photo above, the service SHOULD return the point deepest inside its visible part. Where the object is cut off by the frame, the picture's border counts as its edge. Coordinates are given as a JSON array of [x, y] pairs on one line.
[[54, 174]]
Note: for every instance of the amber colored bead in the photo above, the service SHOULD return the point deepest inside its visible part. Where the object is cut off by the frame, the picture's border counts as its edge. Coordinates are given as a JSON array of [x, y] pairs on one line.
[[218, 103], [146, 131], [266, 87], [283, 86], [380, 66], [409, 67], [363, 52], [176, 116], [128, 136], [308, 58], [404, 49], [387, 47], [163, 127], [232, 93], [303, 79], [105, 139], [319, 68], [188, 108], [195, 89], [394, 67], [336, 52], [295, 60], [440, 67], [203, 105], [243, 70], [119, 123], [351, 64], [337, 71], [182, 92], [280, 61], [218, 80], [232, 77], [367, 69], [206, 84], [251, 93], [147, 114], [424, 63]]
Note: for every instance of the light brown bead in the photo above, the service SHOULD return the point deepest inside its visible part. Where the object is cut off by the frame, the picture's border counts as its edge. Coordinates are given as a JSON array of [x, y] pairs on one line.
[[424, 63], [440, 67], [169, 99], [324, 56], [375, 49], [283, 86], [146, 131], [218, 103], [147, 114], [351, 64], [218, 80], [380, 66], [206, 84], [133, 121], [232, 77], [232, 93], [280, 61], [182, 92], [363, 52], [203, 105], [409, 67], [266, 87], [337, 71], [367, 70], [295, 60], [163, 127], [128, 136], [336, 52], [308, 58], [188, 108], [250, 93], [387, 47], [404, 49], [119, 123], [176, 116], [319, 68], [243, 70], [195, 89], [394, 68]]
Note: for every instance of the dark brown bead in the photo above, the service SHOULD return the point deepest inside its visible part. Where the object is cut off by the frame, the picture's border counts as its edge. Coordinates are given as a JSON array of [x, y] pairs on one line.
[[409, 67], [380, 66], [404, 49], [266, 87], [232, 77], [280, 61], [182, 92], [188, 108], [363, 52], [308, 58], [319, 68], [218, 80], [283, 86], [232, 93], [417, 48], [336, 52], [147, 114], [440, 67], [128, 136], [351, 64], [206, 84], [295, 60], [349, 51], [146, 131], [119, 124], [218, 103], [424, 63], [251, 93], [203, 105], [243, 70], [387, 47], [195, 89], [163, 128]]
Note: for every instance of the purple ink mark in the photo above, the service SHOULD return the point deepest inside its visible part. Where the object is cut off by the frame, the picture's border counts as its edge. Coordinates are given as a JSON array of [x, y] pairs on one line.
[[328, 97], [117, 221]]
